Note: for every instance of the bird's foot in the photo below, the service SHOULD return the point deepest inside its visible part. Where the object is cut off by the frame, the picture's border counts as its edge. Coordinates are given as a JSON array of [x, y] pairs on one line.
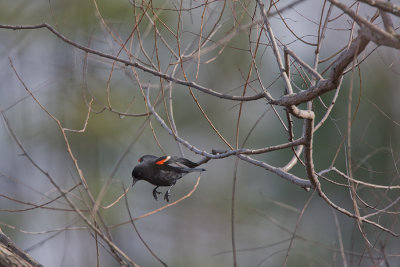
[[166, 196], [168, 193], [155, 193]]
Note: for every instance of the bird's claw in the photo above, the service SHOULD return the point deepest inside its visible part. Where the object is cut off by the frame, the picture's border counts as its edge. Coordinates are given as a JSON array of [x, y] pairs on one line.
[[155, 193], [166, 196]]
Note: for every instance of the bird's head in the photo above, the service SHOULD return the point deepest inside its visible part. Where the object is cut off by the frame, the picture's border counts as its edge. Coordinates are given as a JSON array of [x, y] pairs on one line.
[[137, 174]]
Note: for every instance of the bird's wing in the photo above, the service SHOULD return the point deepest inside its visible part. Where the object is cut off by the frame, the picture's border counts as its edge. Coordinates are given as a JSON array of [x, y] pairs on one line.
[[146, 158], [172, 159], [163, 160]]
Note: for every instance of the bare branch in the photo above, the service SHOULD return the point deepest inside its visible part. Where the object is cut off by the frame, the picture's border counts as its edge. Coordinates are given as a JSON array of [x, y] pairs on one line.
[[384, 5], [137, 65]]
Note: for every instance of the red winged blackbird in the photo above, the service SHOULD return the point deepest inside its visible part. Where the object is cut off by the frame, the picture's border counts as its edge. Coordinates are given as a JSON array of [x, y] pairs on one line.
[[157, 171]]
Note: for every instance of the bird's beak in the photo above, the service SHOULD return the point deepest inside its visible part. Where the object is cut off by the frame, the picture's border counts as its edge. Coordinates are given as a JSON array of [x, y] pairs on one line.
[[134, 181]]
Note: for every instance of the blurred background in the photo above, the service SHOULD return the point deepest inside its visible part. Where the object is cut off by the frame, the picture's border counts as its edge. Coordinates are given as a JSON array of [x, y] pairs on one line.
[[196, 231]]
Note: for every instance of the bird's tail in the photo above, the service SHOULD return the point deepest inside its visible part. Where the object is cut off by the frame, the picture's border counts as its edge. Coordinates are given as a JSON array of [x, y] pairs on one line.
[[193, 169], [185, 162]]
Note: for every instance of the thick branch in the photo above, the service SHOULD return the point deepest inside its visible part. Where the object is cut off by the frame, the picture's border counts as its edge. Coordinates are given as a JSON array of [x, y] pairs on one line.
[[383, 5], [379, 35], [11, 255], [345, 58]]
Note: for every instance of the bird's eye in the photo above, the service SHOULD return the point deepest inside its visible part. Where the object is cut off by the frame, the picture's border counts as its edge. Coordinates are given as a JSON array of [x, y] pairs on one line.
[[136, 173]]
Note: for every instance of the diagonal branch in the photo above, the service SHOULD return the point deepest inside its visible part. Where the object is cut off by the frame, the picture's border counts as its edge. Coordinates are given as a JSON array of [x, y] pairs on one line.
[[138, 65], [280, 172], [384, 5]]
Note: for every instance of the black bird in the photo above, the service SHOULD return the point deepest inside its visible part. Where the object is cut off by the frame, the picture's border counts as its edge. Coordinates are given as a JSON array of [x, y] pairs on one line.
[[157, 171]]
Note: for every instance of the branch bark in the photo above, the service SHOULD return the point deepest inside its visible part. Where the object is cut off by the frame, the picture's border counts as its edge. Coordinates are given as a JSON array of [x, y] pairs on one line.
[[12, 256]]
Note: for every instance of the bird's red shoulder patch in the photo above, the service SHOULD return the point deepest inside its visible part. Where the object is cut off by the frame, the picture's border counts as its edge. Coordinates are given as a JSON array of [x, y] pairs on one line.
[[161, 161]]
